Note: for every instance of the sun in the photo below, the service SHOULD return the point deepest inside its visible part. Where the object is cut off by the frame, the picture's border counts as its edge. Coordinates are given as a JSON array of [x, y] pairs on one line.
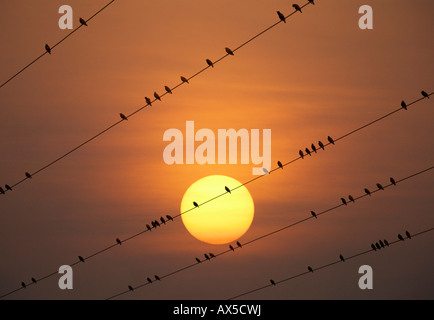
[[222, 220]]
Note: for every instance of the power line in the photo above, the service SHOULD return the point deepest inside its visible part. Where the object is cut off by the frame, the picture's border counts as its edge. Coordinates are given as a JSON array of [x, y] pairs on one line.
[[233, 248], [327, 265], [149, 102], [56, 44]]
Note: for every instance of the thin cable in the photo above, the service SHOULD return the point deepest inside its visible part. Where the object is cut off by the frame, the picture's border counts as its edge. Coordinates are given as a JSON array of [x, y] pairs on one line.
[[55, 45], [326, 265], [270, 233], [143, 107]]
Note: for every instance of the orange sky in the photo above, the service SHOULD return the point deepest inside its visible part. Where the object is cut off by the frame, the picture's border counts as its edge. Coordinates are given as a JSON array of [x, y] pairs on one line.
[[316, 75]]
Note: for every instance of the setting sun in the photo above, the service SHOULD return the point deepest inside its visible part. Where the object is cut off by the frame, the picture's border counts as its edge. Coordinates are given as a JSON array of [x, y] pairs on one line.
[[229, 216]]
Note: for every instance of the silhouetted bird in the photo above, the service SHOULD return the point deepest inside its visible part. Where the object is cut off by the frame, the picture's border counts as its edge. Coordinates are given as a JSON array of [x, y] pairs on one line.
[[130, 288], [34, 280], [342, 258], [403, 104], [313, 147], [8, 187], [148, 101], [297, 7], [232, 248], [47, 48], [211, 255], [156, 95], [239, 244], [195, 204], [210, 63], [272, 282], [198, 260], [373, 247], [149, 227], [206, 256], [169, 217], [81, 258], [229, 51], [386, 242], [400, 237], [153, 224], [280, 164], [321, 145], [265, 171], [392, 181], [157, 278], [367, 192], [426, 95], [168, 89], [408, 234], [300, 152], [307, 151], [377, 246], [330, 139], [162, 220], [311, 1], [123, 117], [149, 280], [184, 79], [344, 201], [23, 284], [314, 214], [309, 268], [281, 16], [157, 223], [381, 244], [118, 241], [28, 175], [227, 189], [379, 186], [83, 22], [351, 198], [2, 191]]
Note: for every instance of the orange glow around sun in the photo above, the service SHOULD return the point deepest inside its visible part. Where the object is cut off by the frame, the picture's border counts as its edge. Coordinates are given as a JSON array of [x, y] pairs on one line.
[[229, 216]]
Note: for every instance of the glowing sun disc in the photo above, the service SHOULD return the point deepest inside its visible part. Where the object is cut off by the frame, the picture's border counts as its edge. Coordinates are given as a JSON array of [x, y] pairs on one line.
[[222, 220]]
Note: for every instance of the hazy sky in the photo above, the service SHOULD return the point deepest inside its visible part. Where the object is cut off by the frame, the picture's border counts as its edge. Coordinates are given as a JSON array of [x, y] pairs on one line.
[[316, 75]]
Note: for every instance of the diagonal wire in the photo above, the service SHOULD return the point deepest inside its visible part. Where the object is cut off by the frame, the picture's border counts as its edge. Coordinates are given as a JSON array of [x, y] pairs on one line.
[[146, 105], [270, 233], [335, 262], [55, 45]]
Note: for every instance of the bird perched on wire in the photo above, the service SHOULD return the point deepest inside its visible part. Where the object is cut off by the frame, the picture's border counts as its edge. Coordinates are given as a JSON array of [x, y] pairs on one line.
[[281, 16], [210, 63], [265, 171], [408, 234], [211, 255], [367, 192], [198, 260], [48, 49], [280, 164], [351, 198], [381, 243], [34, 280], [229, 51], [344, 201], [28, 175], [386, 242], [232, 248], [377, 246], [312, 2], [307, 151], [272, 282], [313, 214], [23, 284], [81, 258], [403, 104], [168, 90], [148, 101], [157, 278], [8, 187], [206, 256], [380, 187], [313, 147], [330, 139], [83, 22], [184, 79], [148, 227], [400, 237], [227, 189], [392, 181], [195, 204], [300, 152], [130, 288], [321, 145], [239, 244], [342, 258], [309, 268], [157, 96], [2, 191], [118, 241], [162, 220], [297, 7], [149, 280], [424, 94], [169, 217], [123, 117], [373, 247]]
